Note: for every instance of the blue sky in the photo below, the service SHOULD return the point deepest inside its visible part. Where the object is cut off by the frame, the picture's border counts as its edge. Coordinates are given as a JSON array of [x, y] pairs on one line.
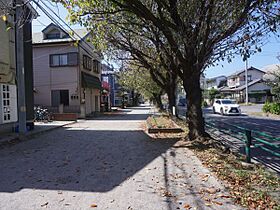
[[268, 55]]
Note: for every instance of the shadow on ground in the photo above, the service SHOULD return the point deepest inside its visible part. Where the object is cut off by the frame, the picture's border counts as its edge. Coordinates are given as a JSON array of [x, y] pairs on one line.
[[78, 160], [124, 117], [269, 126], [268, 159]]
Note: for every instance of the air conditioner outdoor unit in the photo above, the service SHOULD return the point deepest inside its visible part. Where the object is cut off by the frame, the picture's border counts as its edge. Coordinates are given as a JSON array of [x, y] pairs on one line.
[[8, 103]]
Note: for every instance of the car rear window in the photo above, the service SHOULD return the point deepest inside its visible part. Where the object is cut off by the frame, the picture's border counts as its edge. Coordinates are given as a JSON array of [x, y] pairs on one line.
[[227, 102]]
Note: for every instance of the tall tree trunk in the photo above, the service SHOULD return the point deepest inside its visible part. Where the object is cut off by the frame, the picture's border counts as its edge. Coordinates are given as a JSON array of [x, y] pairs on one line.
[[194, 115], [171, 98], [157, 98], [171, 92], [134, 98]]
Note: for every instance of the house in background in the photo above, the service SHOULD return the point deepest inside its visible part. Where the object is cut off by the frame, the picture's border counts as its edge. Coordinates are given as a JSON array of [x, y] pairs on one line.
[[216, 82], [119, 95], [109, 75], [236, 86], [8, 88], [106, 79], [67, 71]]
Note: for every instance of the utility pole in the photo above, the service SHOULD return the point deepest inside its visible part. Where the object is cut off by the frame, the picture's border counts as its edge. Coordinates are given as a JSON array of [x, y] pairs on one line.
[[246, 80], [246, 68], [20, 68]]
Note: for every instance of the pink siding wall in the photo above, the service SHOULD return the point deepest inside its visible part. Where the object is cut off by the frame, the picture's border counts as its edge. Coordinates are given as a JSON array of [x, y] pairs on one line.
[[48, 78]]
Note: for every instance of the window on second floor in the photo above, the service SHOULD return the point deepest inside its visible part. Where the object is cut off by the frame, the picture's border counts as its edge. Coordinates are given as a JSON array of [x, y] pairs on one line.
[[66, 59], [249, 78], [96, 66], [53, 36], [87, 62]]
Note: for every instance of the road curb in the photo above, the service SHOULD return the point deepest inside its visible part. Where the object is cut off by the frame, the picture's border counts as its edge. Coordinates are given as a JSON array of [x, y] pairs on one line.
[[17, 138]]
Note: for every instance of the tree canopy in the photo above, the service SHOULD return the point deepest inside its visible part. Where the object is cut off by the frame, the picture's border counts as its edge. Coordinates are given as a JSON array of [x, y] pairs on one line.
[[192, 34], [272, 78]]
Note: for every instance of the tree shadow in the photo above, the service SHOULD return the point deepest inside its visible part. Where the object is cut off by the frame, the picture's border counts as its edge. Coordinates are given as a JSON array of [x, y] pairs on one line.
[[269, 126], [78, 159], [182, 178], [237, 146], [122, 117], [139, 108]]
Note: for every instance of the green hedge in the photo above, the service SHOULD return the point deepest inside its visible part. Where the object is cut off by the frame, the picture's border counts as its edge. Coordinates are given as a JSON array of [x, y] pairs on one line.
[[273, 108], [204, 104]]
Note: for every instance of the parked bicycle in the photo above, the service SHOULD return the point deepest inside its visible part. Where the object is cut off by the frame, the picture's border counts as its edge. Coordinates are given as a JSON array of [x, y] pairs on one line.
[[41, 114]]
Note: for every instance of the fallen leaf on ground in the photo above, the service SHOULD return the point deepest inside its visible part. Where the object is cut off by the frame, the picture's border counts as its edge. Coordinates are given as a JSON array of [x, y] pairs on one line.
[[217, 202], [93, 205], [212, 190], [224, 196], [44, 204], [187, 206], [167, 194], [205, 177], [207, 199]]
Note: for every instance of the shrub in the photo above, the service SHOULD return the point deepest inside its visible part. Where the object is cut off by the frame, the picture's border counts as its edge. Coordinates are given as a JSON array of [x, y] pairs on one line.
[[266, 107], [275, 108], [204, 104]]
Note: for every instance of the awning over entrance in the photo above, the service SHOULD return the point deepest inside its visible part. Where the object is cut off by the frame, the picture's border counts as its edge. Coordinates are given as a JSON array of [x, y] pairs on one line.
[[90, 81]]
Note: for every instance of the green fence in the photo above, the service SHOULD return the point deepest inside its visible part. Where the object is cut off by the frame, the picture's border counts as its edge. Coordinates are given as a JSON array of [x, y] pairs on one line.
[[251, 138]]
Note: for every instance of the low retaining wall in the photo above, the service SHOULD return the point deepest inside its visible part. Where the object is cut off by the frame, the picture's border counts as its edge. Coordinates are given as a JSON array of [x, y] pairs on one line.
[[64, 116]]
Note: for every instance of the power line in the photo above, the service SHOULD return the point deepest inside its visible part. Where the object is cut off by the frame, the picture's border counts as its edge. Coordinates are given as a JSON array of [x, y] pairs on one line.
[[60, 25], [67, 25]]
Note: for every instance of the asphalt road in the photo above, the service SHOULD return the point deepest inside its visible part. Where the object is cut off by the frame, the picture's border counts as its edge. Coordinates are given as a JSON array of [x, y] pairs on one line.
[[259, 124], [262, 124]]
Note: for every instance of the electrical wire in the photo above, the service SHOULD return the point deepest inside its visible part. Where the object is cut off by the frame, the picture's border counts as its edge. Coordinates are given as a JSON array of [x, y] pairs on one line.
[[67, 24], [60, 25]]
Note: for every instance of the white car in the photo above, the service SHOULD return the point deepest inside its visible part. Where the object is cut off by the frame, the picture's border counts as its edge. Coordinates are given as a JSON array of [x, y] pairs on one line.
[[226, 107]]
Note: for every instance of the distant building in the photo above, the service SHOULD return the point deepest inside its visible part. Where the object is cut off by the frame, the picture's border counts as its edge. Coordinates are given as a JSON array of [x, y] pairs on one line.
[[118, 94], [236, 86], [107, 92], [216, 82], [67, 70]]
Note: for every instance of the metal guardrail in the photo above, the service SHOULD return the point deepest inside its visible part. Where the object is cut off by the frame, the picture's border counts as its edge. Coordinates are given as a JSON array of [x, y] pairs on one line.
[[250, 138]]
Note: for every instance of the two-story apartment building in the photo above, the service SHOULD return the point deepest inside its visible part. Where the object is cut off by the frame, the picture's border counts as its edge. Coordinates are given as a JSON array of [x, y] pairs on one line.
[[67, 70], [257, 89], [8, 68]]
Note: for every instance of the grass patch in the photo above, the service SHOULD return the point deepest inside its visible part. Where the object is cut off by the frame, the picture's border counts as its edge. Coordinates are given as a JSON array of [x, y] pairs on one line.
[[161, 122], [262, 114]]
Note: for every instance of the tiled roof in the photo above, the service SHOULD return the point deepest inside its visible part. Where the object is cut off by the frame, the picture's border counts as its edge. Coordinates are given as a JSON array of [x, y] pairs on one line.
[[243, 70], [242, 87], [249, 84], [37, 38]]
